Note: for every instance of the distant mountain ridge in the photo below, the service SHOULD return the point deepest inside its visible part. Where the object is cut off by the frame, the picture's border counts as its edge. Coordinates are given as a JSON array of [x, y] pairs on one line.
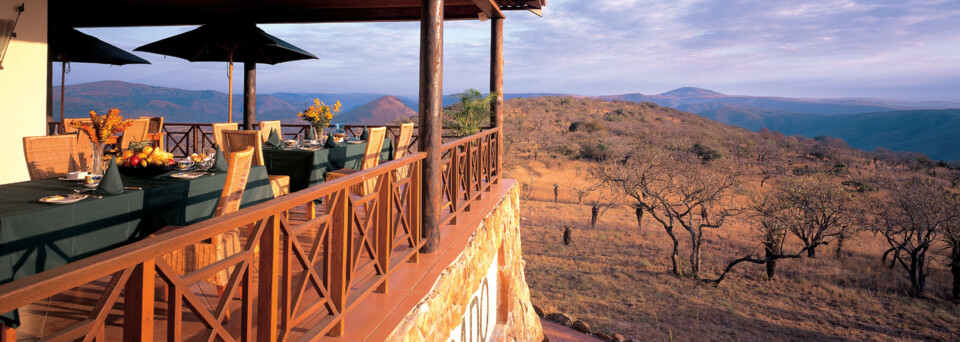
[[926, 127]]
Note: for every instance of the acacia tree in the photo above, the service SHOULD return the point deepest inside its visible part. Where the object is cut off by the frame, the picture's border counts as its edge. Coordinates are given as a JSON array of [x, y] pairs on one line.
[[915, 213], [678, 191], [817, 211], [768, 211], [951, 235]]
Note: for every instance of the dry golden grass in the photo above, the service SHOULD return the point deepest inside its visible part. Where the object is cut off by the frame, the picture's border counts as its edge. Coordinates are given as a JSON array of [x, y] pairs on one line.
[[618, 279]]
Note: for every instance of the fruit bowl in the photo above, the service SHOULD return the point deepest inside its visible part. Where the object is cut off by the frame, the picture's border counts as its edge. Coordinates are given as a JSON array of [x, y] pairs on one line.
[[145, 172]]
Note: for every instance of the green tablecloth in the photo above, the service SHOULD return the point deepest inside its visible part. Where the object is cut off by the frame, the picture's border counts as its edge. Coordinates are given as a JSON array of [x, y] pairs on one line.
[[308, 167], [35, 236]]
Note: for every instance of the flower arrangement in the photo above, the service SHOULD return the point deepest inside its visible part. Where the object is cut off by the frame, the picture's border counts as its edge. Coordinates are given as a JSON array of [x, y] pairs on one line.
[[320, 114], [102, 127], [98, 130]]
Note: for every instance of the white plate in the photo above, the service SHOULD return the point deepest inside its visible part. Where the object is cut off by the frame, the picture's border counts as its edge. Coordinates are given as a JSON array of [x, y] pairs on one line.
[[187, 175], [62, 199], [356, 141], [90, 185], [65, 179]]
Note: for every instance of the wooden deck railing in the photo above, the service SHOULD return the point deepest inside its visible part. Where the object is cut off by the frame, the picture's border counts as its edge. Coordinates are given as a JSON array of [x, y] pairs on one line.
[[310, 272], [297, 273], [470, 166], [182, 139]]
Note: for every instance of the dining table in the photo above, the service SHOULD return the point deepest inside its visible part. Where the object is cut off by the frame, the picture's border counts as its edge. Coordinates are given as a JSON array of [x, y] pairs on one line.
[[308, 166], [37, 236]]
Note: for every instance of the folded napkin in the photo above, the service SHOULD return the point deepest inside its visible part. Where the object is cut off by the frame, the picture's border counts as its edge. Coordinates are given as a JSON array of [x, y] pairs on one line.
[[274, 140], [110, 184], [310, 134], [219, 162], [330, 142], [365, 135]]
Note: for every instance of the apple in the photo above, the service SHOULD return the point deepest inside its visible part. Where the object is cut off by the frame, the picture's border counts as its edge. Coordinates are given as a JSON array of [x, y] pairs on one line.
[[134, 161]]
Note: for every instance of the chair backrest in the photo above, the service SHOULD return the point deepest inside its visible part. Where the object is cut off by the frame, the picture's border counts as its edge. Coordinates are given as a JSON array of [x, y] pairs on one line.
[[403, 141], [267, 126], [238, 170], [156, 124], [236, 141], [84, 148], [371, 156], [50, 156], [68, 124], [218, 129], [136, 132]]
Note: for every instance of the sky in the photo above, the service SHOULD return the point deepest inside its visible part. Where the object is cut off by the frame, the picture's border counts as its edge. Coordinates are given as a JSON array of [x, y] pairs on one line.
[[905, 50]]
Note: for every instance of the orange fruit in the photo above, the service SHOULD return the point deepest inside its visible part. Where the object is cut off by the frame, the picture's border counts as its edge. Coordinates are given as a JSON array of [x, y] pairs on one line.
[[127, 154], [147, 150], [142, 155]]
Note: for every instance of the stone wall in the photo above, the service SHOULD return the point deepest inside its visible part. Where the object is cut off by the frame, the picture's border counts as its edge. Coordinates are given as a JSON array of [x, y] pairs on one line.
[[497, 239]]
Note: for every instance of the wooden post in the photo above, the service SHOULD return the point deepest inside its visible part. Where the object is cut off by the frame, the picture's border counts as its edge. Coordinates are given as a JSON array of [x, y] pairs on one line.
[[431, 103], [249, 95], [414, 207], [138, 303], [496, 85], [338, 258], [384, 227], [268, 294]]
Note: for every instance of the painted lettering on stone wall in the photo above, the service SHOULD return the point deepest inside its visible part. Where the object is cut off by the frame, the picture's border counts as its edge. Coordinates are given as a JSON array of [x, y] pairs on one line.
[[480, 318]]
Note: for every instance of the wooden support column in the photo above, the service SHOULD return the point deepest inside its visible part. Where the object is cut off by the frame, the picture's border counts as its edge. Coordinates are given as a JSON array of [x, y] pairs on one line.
[[496, 71], [496, 85], [249, 95], [431, 106]]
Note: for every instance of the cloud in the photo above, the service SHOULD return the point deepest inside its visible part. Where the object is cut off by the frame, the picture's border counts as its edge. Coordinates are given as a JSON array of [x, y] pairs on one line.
[[822, 48]]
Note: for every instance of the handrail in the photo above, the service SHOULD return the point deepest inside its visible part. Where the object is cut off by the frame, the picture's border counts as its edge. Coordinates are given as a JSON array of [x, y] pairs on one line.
[[387, 227], [182, 139], [363, 239], [470, 166], [18, 293]]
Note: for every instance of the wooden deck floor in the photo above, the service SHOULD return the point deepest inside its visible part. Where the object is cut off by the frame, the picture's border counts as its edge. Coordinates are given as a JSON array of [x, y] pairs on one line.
[[372, 320]]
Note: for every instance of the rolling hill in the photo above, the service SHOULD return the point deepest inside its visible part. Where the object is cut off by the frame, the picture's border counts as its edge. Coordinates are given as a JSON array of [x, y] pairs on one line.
[[378, 112]]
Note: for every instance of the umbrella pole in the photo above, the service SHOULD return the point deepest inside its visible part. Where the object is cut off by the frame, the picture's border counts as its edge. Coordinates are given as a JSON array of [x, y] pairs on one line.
[[63, 89], [230, 93]]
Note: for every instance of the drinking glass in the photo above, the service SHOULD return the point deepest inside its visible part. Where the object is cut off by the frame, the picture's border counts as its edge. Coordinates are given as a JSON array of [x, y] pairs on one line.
[[209, 154]]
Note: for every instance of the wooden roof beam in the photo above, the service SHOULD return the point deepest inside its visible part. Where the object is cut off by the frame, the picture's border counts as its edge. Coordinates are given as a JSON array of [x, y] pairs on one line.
[[489, 8], [164, 16]]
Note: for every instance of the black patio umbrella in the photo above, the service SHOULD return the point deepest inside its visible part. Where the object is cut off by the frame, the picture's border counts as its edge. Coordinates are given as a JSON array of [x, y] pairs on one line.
[[228, 43], [68, 45]]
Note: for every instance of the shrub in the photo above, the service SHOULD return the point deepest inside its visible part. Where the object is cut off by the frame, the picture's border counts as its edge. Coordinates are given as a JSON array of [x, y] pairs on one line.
[[705, 153], [859, 186]]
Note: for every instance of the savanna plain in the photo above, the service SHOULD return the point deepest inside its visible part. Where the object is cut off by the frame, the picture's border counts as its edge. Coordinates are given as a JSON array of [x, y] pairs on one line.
[[636, 162]]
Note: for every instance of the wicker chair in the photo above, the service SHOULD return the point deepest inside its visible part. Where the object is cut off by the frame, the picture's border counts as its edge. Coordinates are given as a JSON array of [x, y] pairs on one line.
[[267, 126], [84, 148], [136, 132], [403, 142], [371, 158], [234, 141], [218, 129], [50, 156], [202, 254], [156, 124]]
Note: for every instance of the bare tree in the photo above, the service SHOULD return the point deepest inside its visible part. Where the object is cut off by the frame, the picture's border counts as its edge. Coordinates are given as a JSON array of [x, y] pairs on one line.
[[817, 211], [583, 192], [914, 213], [678, 191], [951, 235], [768, 213]]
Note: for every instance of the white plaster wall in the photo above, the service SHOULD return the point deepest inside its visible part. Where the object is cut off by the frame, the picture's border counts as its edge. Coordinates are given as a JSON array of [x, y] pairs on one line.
[[23, 82]]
